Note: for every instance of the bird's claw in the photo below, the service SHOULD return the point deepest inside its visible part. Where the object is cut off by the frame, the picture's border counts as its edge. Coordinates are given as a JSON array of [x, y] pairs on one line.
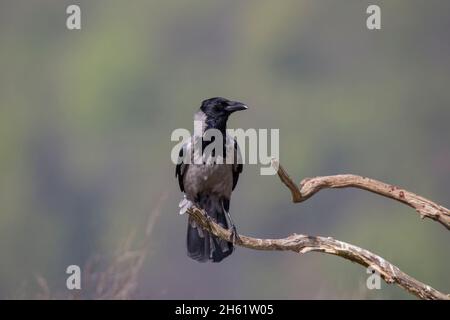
[[234, 235]]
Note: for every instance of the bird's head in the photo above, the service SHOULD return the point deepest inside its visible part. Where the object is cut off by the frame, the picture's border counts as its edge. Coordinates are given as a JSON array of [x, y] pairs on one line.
[[217, 110]]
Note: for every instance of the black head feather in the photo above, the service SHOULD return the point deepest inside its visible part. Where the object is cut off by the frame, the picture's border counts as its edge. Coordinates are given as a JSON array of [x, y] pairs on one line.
[[217, 111]]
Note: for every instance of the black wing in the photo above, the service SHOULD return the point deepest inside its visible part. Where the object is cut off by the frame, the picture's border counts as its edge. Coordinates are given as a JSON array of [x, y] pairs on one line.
[[180, 170], [237, 165]]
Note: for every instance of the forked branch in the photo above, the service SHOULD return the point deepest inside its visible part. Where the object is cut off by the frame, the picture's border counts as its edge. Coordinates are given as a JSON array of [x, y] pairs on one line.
[[303, 243]]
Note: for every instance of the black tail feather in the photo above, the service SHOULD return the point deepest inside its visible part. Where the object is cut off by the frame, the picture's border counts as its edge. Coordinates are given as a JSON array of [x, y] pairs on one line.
[[201, 245]]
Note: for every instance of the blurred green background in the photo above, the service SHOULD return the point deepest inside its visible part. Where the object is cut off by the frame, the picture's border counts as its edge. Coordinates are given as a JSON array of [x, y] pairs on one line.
[[86, 118]]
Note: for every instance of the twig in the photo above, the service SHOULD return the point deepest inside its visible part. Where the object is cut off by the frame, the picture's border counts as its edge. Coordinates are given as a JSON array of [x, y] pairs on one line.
[[310, 186]]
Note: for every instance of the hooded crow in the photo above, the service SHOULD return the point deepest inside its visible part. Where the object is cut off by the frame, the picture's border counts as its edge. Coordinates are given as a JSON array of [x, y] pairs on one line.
[[208, 185]]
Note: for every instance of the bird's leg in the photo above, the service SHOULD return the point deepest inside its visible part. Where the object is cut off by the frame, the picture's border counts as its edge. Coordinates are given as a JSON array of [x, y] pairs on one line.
[[197, 204], [234, 235]]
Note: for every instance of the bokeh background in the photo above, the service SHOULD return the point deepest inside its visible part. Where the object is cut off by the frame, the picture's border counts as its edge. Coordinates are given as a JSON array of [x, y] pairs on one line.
[[86, 118]]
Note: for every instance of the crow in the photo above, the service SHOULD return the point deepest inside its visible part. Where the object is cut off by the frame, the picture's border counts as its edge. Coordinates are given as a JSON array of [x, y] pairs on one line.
[[208, 185]]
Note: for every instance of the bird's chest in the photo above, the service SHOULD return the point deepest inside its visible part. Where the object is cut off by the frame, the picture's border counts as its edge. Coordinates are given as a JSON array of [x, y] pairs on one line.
[[209, 178]]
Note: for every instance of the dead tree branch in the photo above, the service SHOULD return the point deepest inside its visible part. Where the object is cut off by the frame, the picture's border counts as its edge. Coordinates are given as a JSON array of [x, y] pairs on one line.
[[303, 243], [310, 186]]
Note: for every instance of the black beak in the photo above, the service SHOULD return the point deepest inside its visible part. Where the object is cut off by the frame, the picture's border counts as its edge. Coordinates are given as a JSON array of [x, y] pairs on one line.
[[235, 106]]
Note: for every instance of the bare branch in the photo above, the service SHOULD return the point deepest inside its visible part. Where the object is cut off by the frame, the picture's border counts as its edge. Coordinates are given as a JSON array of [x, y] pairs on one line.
[[310, 186], [302, 244]]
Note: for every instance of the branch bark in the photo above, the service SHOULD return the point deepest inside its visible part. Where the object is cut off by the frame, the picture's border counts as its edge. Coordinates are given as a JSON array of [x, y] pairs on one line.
[[303, 243], [310, 186]]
